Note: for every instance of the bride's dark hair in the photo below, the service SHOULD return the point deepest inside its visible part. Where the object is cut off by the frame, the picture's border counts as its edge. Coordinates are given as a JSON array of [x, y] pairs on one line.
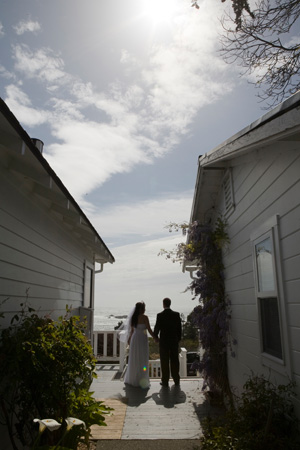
[[139, 309]]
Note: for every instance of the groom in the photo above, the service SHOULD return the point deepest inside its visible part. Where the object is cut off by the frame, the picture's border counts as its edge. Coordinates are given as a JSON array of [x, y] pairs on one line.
[[168, 327]]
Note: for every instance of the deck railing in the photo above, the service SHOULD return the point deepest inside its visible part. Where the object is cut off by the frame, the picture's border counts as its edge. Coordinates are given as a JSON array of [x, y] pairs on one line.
[[108, 348], [106, 345]]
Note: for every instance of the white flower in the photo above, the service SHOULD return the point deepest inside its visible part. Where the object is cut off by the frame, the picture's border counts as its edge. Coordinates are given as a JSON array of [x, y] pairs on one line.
[[51, 424], [71, 421]]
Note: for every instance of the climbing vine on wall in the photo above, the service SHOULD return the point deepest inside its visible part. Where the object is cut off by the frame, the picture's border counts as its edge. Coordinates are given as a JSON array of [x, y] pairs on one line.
[[204, 249]]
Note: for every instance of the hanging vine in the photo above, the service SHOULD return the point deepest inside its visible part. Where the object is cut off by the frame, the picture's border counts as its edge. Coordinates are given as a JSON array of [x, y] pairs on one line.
[[204, 249]]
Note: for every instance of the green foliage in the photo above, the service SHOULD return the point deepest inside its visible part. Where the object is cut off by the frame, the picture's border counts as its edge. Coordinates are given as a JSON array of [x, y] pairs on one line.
[[239, 6], [263, 419], [204, 249], [189, 341], [190, 345], [153, 349], [46, 371], [189, 330], [190, 334]]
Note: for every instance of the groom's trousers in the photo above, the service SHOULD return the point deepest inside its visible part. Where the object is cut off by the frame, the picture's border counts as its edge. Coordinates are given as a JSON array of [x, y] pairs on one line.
[[169, 360]]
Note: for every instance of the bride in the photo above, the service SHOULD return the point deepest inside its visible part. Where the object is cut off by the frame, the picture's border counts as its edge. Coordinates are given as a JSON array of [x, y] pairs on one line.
[[137, 373]]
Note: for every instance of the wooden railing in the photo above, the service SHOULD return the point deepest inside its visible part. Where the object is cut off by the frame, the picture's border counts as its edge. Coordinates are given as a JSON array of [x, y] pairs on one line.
[[106, 345], [108, 348]]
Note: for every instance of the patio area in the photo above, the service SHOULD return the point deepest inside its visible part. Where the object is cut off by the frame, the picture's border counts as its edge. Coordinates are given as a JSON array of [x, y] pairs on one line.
[[156, 414]]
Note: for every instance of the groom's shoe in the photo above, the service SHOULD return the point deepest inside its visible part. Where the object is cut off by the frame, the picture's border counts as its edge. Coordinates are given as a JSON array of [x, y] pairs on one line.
[[164, 384]]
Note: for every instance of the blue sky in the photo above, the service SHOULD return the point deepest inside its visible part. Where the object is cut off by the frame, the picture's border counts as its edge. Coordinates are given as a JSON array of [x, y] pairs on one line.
[[125, 96]]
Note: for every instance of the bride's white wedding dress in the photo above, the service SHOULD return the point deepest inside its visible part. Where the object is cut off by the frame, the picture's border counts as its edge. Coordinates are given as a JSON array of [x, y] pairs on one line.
[[137, 373]]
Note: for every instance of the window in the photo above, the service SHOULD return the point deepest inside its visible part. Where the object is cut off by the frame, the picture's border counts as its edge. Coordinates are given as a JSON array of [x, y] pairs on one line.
[[88, 286], [265, 265], [270, 296], [267, 295], [271, 335], [228, 193]]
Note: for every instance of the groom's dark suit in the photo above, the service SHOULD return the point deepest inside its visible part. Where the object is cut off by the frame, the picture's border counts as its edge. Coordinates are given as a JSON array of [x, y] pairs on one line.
[[168, 328]]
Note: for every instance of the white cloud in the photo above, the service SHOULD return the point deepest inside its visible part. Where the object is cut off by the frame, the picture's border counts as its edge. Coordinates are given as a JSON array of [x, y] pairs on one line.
[[129, 61], [6, 74], [66, 109], [147, 218], [134, 123], [27, 25], [43, 64], [21, 105], [1, 30], [146, 118], [140, 274], [293, 41], [185, 75], [92, 152]]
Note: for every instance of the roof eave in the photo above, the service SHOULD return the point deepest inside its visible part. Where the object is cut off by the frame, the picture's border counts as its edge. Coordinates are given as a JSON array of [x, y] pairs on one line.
[[259, 132], [70, 212]]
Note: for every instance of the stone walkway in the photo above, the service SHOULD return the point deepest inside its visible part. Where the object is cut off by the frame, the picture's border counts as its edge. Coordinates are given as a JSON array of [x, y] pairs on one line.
[[157, 414]]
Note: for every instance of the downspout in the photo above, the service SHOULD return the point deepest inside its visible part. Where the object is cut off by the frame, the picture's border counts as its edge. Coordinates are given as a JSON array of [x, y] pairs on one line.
[[95, 337], [191, 271], [101, 268]]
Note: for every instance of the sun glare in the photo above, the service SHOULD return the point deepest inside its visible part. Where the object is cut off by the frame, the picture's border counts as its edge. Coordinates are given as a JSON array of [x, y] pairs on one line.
[[160, 10]]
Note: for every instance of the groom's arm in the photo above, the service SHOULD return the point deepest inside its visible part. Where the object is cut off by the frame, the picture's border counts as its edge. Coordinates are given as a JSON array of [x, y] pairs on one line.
[[157, 326]]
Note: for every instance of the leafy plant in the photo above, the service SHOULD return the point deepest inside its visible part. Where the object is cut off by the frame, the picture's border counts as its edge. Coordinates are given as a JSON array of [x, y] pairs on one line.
[[204, 250], [46, 370], [190, 330], [263, 419], [239, 6]]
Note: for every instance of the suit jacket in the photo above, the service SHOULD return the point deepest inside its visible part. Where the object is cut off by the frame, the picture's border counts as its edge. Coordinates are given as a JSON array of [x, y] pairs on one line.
[[168, 327]]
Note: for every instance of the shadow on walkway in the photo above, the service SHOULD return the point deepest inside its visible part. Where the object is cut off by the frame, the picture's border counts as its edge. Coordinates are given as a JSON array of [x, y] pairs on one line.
[[205, 410], [136, 395], [169, 397]]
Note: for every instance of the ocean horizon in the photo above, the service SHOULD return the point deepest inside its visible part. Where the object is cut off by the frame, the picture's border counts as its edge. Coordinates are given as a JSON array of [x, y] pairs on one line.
[[108, 317]]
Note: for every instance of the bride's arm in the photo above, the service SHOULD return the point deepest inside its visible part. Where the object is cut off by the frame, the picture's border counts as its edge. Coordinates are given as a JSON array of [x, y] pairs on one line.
[[147, 323], [129, 339]]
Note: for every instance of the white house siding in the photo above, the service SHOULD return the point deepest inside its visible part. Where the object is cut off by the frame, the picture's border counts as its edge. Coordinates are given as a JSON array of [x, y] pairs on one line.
[[39, 258], [266, 182]]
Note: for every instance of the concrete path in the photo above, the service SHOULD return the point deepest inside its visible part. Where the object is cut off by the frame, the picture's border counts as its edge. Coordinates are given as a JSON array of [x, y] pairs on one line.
[[157, 414]]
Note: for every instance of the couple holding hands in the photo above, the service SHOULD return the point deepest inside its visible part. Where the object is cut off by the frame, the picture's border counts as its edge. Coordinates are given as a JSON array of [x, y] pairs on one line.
[[167, 331]]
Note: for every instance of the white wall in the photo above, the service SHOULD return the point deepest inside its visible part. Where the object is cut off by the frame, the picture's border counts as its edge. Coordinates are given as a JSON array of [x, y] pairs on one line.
[[266, 183], [39, 257]]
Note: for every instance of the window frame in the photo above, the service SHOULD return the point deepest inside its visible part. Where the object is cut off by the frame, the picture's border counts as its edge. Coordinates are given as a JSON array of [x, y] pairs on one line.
[[88, 290], [228, 193], [270, 229]]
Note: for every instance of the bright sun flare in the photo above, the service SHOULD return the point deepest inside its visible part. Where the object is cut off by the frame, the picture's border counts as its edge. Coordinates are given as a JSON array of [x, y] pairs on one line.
[[160, 10]]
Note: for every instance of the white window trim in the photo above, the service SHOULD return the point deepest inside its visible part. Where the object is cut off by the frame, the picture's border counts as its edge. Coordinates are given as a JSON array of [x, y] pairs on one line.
[[88, 299], [271, 228], [227, 185]]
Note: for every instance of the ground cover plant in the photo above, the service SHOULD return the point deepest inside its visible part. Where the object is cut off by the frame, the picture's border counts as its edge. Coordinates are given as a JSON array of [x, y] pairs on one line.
[[263, 419], [46, 371]]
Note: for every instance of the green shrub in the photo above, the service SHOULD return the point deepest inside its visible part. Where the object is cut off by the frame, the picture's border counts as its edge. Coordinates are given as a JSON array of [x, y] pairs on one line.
[[153, 349], [46, 371], [263, 419], [190, 345]]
